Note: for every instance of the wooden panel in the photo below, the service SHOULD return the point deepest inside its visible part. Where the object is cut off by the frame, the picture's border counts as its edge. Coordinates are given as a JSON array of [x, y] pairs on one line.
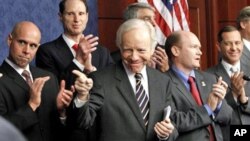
[[112, 8], [229, 10], [107, 31], [198, 26], [110, 14]]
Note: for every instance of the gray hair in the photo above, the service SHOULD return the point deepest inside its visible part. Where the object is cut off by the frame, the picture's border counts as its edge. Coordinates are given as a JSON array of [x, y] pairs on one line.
[[132, 9], [243, 16], [136, 24]]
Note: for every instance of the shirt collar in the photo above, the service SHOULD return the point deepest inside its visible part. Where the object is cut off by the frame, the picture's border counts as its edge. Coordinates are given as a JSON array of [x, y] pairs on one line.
[[68, 41], [17, 68], [129, 73], [181, 74], [228, 66]]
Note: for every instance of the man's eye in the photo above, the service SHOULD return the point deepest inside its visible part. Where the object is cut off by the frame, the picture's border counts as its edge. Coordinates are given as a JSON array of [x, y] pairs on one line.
[[21, 42]]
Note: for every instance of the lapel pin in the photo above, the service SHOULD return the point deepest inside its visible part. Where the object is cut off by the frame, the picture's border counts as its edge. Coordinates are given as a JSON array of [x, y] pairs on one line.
[[203, 84]]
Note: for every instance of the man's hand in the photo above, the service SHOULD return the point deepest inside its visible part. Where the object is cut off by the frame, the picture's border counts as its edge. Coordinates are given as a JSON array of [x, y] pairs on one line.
[[35, 92], [164, 128], [64, 97], [218, 93], [238, 90], [159, 60], [86, 46], [82, 85]]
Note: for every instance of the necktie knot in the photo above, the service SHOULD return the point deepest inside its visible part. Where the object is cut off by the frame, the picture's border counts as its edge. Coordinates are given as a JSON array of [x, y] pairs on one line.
[[138, 76], [233, 70], [75, 47], [191, 80]]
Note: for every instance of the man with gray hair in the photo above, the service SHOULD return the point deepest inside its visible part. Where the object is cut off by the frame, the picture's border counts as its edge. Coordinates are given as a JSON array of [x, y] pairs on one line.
[[146, 12], [243, 24], [130, 106]]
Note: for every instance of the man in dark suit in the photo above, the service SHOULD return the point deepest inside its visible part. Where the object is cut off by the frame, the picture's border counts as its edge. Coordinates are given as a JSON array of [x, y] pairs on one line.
[[145, 11], [8, 131], [61, 56], [197, 96], [232, 69], [127, 109], [243, 25], [32, 102], [58, 55]]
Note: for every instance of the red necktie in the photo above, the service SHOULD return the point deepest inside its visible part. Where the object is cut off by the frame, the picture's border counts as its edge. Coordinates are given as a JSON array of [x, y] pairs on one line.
[[75, 47], [194, 90], [197, 98]]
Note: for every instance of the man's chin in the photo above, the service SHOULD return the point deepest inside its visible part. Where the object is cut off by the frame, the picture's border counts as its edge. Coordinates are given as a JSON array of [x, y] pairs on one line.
[[135, 69]]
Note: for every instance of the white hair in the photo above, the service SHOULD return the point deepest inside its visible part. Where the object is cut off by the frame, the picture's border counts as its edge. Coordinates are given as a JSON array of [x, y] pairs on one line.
[[136, 24]]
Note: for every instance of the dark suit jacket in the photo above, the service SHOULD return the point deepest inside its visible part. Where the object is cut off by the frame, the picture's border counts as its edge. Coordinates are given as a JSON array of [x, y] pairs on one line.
[[8, 132], [113, 104], [14, 95], [241, 114], [192, 120], [55, 56]]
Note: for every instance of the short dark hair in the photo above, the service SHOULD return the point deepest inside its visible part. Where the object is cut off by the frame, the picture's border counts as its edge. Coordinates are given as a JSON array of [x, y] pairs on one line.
[[132, 9], [228, 28], [62, 6], [173, 39]]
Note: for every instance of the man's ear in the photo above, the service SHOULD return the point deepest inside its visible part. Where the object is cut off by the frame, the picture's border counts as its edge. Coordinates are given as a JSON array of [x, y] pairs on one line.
[[60, 16], [9, 39], [175, 50], [218, 46], [243, 25]]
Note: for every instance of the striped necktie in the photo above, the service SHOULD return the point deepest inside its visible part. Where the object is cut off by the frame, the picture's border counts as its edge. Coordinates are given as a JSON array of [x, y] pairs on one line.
[[142, 98]]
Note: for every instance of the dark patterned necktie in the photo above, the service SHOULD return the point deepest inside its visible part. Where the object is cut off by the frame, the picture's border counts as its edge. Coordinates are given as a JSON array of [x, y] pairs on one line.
[[26, 74], [142, 98]]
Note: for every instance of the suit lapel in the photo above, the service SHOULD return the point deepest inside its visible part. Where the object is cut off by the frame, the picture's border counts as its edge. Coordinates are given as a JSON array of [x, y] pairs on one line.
[[63, 49], [201, 85], [125, 89], [181, 87], [16, 78], [154, 96], [220, 71]]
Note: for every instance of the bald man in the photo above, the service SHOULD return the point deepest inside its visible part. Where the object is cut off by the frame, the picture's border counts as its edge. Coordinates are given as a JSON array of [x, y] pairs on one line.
[[30, 98], [197, 96]]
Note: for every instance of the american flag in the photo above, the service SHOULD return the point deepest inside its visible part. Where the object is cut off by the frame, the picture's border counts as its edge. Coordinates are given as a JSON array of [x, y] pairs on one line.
[[171, 15]]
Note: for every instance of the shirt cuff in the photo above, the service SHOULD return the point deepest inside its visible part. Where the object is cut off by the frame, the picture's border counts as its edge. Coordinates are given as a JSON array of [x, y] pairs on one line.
[[79, 103], [162, 138], [218, 108], [209, 110], [63, 120], [79, 65]]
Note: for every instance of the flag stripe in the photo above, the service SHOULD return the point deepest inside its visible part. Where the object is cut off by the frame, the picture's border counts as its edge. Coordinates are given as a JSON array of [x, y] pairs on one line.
[[171, 15]]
